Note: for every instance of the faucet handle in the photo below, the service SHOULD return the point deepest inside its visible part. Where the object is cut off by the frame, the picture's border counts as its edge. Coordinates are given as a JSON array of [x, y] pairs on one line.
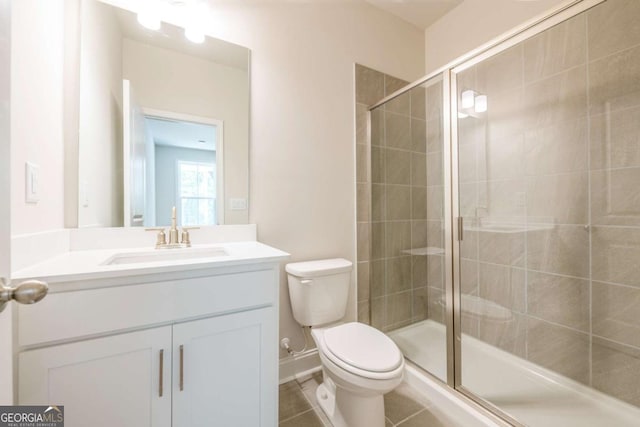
[[186, 240], [161, 238]]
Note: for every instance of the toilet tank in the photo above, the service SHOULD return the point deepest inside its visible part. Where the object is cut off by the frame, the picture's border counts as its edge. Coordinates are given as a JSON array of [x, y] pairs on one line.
[[319, 290]]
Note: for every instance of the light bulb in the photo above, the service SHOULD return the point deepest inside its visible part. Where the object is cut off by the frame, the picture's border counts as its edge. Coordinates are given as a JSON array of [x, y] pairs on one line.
[[468, 97], [462, 115], [480, 104], [149, 15]]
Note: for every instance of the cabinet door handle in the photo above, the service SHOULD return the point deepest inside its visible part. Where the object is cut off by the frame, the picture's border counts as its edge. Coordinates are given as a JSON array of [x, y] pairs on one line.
[[181, 367], [161, 385]]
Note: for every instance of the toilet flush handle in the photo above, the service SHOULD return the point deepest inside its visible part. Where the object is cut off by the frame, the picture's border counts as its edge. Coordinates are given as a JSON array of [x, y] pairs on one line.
[[306, 281]]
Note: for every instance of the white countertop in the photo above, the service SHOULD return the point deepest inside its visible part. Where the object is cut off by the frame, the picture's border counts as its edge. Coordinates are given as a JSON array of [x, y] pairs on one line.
[[90, 264]]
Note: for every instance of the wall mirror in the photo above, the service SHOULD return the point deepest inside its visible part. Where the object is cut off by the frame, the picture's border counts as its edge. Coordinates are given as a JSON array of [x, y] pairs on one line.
[[163, 120]]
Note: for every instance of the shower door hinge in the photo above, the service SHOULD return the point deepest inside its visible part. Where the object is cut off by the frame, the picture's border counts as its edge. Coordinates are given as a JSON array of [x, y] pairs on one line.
[[460, 228]]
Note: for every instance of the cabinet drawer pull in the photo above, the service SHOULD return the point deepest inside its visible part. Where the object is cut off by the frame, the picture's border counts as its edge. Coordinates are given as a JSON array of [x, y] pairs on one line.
[[160, 385], [181, 367]]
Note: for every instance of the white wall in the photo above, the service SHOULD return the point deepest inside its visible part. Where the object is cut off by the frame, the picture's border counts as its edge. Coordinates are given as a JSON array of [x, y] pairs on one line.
[[302, 118], [166, 185], [475, 22], [171, 81], [36, 112], [100, 147]]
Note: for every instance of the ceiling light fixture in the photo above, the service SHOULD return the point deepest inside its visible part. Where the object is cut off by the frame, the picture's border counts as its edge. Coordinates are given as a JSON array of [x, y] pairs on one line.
[[196, 17], [462, 115], [149, 15]]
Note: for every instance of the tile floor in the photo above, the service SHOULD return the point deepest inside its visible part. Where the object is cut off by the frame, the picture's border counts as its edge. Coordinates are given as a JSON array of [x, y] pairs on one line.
[[404, 407]]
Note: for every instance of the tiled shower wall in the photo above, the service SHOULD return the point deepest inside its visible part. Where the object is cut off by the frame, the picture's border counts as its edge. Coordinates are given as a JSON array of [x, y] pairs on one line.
[[393, 215], [557, 156]]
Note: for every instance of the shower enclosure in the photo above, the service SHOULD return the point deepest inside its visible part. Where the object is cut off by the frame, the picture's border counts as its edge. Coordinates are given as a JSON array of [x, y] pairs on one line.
[[505, 220]]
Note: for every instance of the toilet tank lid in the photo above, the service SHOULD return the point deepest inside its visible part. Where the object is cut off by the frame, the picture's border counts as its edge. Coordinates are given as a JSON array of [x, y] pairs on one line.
[[321, 267]]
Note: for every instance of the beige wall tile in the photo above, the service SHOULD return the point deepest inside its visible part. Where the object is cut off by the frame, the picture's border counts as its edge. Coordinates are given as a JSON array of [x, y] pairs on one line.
[[614, 83], [502, 248], [505, 115], [369, 85], [434, 101], [419, 230], [393, 84], [467, 172], [418, 271], [363, 281], [377, 127], [560, 349], [468, 199], [563, 198], [398, 274], [398, 238], [400, 105], [505, 157], [564, 249], [399, 308], [363, 202], [504, 285], [469, 277], [557, 149], [435, 234], [616, 370], [378, 239], [500, 73], [613, 26], [378, 312], [469, 245], [508, 335], [363, 241], [502, 198], [378, 277], [558, 299], [435, 203], [378, 201], [420, 300], [418, 202], [398, 165], [435, 271], [560, 98], [398, 202], [434, 168], [436, 304], [418, 169], [616, 313], [557, 49], [361, 124], [615, 255], [418, 102], [418, 135], [614, 139], [397, 131], [363, 312], [615, 197], [435, 139], [378, 161]]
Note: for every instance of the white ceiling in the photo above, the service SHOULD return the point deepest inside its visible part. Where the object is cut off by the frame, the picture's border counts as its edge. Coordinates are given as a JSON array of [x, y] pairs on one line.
[[421, 13], [182, 134]]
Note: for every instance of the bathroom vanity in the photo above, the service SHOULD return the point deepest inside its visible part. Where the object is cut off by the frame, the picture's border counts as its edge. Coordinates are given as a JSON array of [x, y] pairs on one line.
[[125, 339]]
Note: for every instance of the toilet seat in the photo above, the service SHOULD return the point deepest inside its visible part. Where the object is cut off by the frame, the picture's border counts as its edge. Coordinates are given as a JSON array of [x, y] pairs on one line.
[[362, 350]]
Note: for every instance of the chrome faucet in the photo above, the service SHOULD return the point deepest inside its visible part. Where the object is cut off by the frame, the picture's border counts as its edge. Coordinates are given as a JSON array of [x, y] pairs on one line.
[[174, 242]]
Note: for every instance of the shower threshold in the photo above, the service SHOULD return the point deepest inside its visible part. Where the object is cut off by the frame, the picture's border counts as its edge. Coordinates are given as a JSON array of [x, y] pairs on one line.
[[535, 396]]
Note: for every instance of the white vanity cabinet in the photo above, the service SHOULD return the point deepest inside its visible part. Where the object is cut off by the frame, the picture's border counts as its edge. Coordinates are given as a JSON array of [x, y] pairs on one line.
[[182, 352]]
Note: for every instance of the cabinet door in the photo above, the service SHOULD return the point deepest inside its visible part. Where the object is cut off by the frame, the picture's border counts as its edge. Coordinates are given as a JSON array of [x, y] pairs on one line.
[[225, 371], [106, 382]]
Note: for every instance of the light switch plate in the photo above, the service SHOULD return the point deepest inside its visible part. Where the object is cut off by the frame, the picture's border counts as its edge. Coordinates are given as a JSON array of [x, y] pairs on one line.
[[238, 204], [32, 183]]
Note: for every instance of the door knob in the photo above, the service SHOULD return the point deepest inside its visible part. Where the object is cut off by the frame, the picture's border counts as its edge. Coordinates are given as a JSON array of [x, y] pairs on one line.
[[27, 292]]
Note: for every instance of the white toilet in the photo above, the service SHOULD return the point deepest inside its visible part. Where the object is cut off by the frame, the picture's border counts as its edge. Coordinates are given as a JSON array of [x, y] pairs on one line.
[[359, 363]]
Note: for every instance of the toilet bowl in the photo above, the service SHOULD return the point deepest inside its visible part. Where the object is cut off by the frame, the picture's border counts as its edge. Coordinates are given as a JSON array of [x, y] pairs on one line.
[[359, 363]]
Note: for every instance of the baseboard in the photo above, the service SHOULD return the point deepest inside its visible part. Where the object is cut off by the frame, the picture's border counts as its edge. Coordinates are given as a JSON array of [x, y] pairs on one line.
[[293, 367]]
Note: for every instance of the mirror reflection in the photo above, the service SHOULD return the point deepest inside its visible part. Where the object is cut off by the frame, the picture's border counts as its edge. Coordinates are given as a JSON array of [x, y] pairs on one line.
[[163, 122]]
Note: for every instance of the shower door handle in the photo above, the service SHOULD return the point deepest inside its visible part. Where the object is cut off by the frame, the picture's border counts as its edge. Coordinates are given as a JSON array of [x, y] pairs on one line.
[[460, 228]]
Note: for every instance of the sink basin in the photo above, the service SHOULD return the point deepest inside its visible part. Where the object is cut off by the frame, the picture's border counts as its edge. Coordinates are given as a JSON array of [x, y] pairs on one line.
[[159, 255]]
